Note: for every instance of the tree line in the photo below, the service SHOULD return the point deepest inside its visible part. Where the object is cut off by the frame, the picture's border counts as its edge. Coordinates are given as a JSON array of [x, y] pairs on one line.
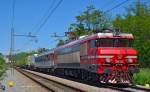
[[137, 21]]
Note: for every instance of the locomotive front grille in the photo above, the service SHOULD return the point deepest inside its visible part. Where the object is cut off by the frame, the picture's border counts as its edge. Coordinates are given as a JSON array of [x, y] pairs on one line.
[[118, 64]]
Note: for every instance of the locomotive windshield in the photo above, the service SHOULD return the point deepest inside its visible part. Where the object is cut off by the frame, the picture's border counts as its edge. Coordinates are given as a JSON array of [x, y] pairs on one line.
[[113, 42]]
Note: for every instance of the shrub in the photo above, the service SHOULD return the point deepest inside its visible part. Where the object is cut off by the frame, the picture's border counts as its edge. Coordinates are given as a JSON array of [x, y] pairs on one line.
[[143, 77], [3, 66]]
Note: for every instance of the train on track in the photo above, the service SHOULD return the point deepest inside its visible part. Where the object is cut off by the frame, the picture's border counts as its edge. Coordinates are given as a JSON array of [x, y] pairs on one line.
[[106, 57]]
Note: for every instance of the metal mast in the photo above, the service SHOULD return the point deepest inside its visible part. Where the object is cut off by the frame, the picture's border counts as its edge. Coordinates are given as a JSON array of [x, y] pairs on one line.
[[12, 33]]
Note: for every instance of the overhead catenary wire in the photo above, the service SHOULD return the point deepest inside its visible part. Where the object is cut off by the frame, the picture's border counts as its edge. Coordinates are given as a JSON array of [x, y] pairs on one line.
[[12, 32], [49, 15], [13, 13], [41, 20], [109, 3], [45, 18], [118, 5], [45, 15], [54, 9]]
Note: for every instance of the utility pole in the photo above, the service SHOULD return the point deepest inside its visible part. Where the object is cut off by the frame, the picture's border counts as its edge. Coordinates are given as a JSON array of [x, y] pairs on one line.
[[13, 35], [12, 46], [11, 59]]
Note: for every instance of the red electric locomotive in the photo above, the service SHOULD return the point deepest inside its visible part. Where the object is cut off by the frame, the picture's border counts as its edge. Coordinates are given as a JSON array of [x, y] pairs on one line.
[[106, 57]]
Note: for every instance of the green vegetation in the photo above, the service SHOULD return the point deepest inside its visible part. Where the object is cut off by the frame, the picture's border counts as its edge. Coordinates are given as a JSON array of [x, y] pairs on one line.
[[87, 22], [143, 77], [61, 42], [3, 66], [137, 22], [21, 58], [39, 51], [90, 20]]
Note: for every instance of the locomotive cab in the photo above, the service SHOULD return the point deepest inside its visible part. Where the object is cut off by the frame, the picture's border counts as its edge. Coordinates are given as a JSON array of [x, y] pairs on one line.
[[116, 57]]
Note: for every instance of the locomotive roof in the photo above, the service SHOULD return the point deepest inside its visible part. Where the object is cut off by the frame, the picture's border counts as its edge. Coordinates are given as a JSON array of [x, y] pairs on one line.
[[98, 35]]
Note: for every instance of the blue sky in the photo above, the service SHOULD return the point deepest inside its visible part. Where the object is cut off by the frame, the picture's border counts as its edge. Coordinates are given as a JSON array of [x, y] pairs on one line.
[[29, 12]]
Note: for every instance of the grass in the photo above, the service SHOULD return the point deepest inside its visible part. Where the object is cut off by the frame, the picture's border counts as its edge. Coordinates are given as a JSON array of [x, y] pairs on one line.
[[3, 66], [143, 77]]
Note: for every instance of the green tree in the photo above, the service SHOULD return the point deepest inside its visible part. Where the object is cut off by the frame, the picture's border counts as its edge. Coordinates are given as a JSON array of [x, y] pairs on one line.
[[3, 66], [90, 20], [1, 54], [60, 43], [137, 21], [42, 50], [21, 58]]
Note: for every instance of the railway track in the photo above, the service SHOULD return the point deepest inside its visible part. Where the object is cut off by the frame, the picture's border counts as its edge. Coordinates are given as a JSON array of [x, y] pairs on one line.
[[49, 84], [56, 84]]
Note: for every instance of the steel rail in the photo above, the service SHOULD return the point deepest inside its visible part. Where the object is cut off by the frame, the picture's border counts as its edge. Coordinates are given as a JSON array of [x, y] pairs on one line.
[[75, 89], [51, 85]]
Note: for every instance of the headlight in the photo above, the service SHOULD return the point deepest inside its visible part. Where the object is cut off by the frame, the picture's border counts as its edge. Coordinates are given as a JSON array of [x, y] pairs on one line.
[[107, 60], [130, 60]]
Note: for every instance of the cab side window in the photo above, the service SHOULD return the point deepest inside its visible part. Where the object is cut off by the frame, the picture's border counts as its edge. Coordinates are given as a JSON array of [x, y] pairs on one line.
[[93, 43]]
